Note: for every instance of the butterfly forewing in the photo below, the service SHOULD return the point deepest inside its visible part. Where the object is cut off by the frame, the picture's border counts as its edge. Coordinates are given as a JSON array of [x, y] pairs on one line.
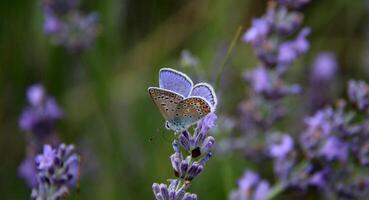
[[191, 110], [175, 81], [166, 101]]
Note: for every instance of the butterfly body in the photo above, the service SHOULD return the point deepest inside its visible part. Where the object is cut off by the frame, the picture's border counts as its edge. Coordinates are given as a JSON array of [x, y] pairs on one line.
[[181, 103]]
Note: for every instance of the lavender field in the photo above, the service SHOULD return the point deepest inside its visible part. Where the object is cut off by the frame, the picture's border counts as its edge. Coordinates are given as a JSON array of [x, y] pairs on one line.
[[184, 100]]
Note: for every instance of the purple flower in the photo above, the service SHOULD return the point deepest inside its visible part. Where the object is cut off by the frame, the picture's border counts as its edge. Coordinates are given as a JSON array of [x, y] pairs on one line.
[[319, 179], [172, 192], [335, 149], [40, 117], [258, 31], [358, 93], [51, 24], [67, 26], [259, 79], [199, 144], [28, 171], [36, 94], [58, 170], [207, 123], [287, 22], [289, 51], [280, 149], [301, 43], [184, 168], [324, 66], [321, 121], [46, 159], [251, 187]]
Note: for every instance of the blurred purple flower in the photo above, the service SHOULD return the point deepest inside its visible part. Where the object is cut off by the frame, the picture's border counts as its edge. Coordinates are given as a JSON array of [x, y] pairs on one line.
[[287, 22], [358, 93], [251, 187], [282, 146], [52, 24], [259, 79], [324, 67], [28, 171], [335, 149], [322, 75], [319, 179], [40, 117], [269, 85], [290, 50], [258, 31], [302, 45], [67, 26]]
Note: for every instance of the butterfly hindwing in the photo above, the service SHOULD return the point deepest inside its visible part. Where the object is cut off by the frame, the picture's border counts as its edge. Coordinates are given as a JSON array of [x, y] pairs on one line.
[[166, 101], [190, 110], [206, 91], [175, 81]]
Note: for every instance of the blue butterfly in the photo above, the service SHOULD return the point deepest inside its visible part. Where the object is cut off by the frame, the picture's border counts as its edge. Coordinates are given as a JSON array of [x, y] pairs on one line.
[[180, 102]]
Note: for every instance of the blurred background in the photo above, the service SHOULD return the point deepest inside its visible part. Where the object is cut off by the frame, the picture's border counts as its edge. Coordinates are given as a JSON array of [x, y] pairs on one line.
[[103, 90]]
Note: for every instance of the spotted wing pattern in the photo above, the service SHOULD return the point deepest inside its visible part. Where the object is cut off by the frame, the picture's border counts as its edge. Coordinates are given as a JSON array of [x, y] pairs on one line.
[[175, 81], [166, 101], [206, 91], [190, 110]]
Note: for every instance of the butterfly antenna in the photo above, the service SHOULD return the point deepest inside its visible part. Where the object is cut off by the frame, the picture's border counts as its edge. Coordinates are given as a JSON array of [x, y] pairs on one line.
[[230, 49]]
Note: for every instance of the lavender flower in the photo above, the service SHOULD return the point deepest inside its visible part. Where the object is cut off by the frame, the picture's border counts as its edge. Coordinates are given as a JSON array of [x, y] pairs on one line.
[[335, 149], [258, 31], [199, 144], [324, 67], [251, 187], [45, 160], [290, 50], [269, 85], [28, 171], [358, 93], [322, 76], [58, 172], [40, 117], [281, 146], [173, 192], [67, 26]]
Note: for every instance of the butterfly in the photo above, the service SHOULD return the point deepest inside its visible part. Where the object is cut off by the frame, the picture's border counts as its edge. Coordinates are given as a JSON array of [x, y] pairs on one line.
[[180, 102]]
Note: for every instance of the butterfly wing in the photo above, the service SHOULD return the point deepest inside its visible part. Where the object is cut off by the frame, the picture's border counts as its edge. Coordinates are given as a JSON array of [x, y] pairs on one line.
[[175, 81], [206, 91], [166, 101], [189, 111]]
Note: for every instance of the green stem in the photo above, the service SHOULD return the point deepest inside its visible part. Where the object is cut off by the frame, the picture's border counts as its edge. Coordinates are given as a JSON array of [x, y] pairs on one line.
[[231, 46], [275, 191]]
